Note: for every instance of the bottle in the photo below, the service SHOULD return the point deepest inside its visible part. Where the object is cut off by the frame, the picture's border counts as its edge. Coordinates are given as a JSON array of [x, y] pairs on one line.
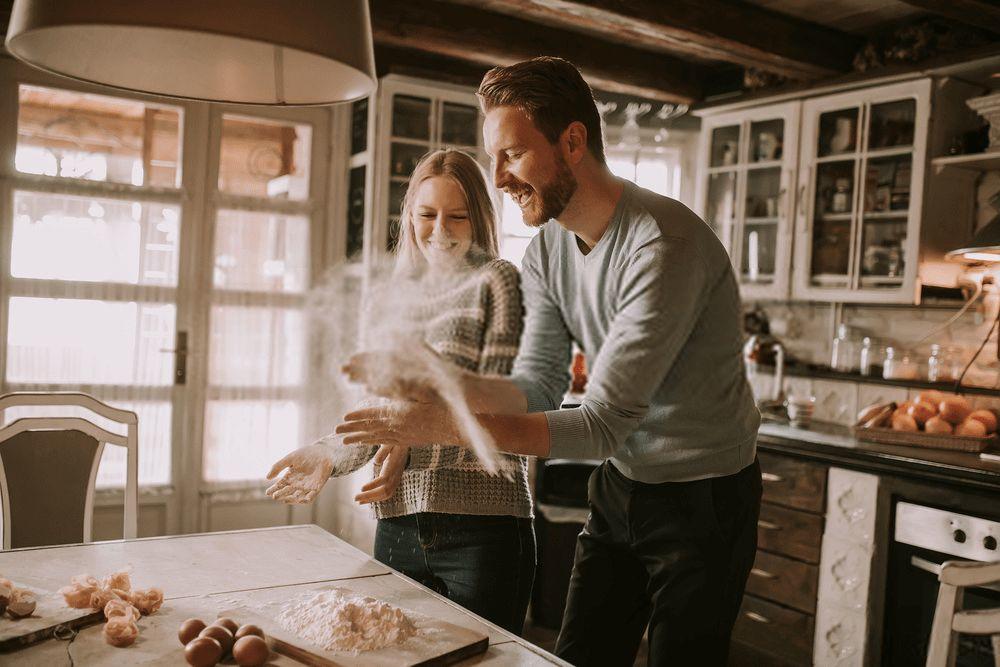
[[942, 365], [865, 356], [842, 356], [841, 201]]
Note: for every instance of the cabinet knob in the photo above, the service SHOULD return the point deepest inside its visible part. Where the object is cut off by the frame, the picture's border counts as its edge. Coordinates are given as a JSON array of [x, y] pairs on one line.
[[754, 616], [959, 536], [990, 542], [771, 477]]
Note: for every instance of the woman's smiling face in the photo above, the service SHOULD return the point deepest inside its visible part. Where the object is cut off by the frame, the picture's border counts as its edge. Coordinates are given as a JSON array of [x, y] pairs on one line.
[[440, 219]]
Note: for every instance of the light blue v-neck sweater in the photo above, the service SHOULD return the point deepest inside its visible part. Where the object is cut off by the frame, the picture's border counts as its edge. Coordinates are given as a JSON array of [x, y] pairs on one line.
[[655, 308]]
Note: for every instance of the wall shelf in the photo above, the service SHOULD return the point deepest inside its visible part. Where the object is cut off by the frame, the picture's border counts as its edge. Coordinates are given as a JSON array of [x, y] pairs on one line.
[[826, 373], [974, 162]]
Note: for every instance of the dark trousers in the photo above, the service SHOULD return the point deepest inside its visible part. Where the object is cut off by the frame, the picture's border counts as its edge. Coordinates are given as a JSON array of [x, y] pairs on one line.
[[675, 556], [484, 563]]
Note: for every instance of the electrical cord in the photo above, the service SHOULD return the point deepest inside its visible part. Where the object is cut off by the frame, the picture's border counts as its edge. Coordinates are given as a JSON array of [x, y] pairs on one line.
[[996, 321], [979, 292]]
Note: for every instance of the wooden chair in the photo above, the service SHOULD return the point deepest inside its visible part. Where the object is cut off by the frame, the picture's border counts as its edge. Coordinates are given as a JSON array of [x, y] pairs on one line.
[[950, 621], [48, 470]]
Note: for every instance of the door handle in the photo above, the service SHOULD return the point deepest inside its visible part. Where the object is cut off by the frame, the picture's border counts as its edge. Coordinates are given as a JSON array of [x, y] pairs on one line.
[[180, 351], [763, 574], [771, 477], [767, 525], [754, 616]]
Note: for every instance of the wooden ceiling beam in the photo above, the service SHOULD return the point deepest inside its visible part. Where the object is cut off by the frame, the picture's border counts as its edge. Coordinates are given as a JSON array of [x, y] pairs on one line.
[[978, 13], [487, 38], [715, 30]]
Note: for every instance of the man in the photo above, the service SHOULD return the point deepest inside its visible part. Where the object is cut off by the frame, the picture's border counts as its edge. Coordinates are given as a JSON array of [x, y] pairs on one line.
[[645, 288]]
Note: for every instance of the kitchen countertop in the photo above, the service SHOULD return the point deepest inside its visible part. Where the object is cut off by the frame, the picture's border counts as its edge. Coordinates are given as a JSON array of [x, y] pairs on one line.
[[835, 445], [205, 573]]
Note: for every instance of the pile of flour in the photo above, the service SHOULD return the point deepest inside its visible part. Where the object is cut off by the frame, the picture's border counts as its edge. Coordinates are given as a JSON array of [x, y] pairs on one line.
[[339, 620]]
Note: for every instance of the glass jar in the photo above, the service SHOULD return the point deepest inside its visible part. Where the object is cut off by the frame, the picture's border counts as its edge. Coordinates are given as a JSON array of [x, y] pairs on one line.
[[869, 359], [841, 201], [898, 365], [843, 356], [943, 365]]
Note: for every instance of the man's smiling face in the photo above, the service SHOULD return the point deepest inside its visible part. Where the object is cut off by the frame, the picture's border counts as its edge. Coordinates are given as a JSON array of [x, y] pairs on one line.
[[527, 166]]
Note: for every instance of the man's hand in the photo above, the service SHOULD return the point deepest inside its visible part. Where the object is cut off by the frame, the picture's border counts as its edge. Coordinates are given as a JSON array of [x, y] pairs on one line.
[[390, 462], [406, 375], [405, 423], [308, 470]]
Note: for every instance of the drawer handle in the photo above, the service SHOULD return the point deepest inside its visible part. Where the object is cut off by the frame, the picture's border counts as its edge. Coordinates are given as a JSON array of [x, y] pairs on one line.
[[771, 477], [763, 574], [754, 616], [767, 525]]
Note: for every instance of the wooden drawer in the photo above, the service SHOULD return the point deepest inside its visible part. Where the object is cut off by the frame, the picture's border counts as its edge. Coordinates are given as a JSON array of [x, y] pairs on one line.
[[774, 630], [790, 532], [793, 482], [789, 582]]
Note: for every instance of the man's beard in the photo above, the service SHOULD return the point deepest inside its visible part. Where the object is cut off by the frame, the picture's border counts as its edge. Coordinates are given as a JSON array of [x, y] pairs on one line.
[[551, 200]]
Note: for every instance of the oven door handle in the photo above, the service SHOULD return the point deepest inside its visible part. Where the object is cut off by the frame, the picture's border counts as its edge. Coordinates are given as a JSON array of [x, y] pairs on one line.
[[935, 569]]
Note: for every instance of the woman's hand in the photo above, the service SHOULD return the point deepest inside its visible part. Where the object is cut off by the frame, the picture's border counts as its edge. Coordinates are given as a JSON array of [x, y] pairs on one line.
[[403, 423], [308, 470], [390, 461]]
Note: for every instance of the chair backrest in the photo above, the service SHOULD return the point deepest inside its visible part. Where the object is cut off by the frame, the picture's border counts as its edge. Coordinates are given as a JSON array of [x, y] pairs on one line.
[[48, 470], [950, 620]]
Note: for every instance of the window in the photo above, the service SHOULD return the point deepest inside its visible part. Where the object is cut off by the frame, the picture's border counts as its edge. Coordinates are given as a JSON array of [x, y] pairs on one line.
[[91, 299]]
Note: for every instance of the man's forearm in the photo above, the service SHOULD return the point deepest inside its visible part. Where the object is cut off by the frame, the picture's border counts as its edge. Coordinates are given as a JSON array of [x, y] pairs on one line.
[[525, 434], [493, 395]]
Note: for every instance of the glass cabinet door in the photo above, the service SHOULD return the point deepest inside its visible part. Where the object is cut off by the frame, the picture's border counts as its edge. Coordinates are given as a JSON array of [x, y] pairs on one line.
[[858, 159], [747, 173]]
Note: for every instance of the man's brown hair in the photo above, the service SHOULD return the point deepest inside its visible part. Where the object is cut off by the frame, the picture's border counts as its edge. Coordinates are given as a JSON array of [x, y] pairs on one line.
[[551, 92]]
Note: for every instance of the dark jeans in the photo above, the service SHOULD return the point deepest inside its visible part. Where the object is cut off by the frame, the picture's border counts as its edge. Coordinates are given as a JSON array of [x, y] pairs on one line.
[[484, 563], [674, 555]]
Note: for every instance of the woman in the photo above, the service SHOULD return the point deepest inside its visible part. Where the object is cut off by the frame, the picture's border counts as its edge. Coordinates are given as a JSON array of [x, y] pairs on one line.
[[442, 519]]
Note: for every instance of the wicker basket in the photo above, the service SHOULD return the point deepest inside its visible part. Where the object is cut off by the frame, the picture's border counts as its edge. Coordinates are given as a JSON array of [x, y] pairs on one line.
[[962, 443]]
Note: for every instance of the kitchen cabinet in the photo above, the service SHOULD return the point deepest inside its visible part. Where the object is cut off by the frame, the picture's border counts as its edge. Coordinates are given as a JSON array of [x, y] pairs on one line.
[[776, 620], [744, 192], [861, 177], [415, 117], [858, 214]]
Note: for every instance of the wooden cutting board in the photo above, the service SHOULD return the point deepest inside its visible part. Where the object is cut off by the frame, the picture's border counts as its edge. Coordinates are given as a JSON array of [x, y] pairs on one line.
[[437, 643], [51, 612]]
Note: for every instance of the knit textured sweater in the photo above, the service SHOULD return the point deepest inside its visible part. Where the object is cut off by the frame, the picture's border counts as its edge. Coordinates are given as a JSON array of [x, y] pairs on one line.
[[475, 324]]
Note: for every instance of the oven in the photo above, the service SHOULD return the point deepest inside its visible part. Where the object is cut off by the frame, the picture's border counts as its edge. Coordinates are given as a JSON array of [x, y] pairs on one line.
[[923, 538]]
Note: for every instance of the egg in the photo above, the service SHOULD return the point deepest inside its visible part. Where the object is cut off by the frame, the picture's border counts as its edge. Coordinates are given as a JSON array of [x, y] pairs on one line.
[[971, 427], [249, 629], [921, 412], [904, 423], [932, 396], [202, 652], [251, 651], [227, 623], [190, 629], [219, 634], [954, 409], [987, 417], [937, 425]]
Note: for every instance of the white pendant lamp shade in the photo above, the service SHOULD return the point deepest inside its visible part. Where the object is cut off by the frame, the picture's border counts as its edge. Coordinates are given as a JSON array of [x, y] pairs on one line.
[[277, 52]]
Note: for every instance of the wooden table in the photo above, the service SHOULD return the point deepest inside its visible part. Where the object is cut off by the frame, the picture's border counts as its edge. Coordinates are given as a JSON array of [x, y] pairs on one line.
[[226, 570]]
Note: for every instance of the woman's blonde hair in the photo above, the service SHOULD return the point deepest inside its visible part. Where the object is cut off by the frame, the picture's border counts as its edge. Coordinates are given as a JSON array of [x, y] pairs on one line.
[[465, 171]]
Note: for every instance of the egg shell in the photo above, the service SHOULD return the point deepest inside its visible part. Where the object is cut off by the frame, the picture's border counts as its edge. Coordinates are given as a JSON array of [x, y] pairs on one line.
[[249, 629], [251, 651], [904, 423], [921, 412], [987, 417], [227, 623], [189, 630], [938, 425], [972, 428], [202, 652], [219, 634], [954, 409]]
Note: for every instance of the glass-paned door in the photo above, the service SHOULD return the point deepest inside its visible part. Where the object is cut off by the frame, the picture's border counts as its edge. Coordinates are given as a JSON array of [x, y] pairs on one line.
[[262, 264], [91, 282], [860, 225]]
